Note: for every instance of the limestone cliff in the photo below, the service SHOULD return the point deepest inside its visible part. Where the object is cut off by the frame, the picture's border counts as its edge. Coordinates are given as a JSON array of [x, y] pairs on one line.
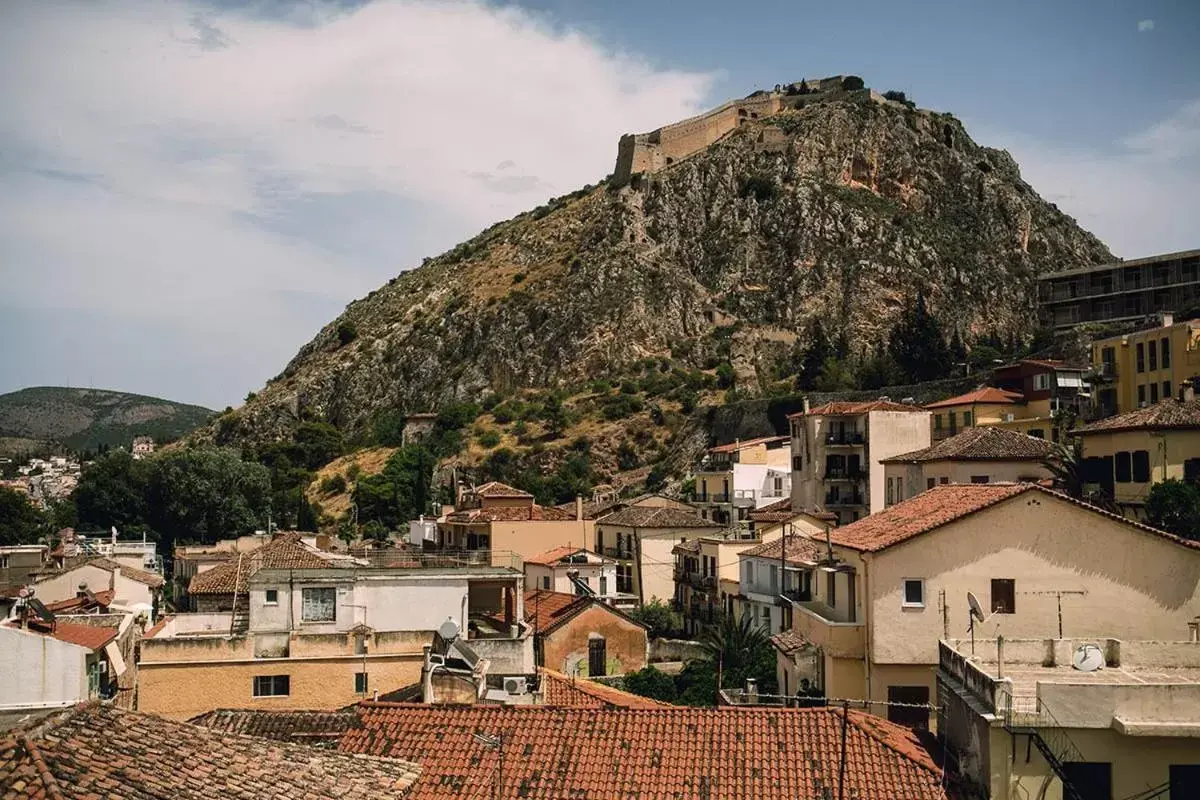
[[838, 211]]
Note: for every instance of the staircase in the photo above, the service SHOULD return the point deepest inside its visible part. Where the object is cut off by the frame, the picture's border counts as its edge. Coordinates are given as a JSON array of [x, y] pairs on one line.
[[240, 619], [1050, 738]]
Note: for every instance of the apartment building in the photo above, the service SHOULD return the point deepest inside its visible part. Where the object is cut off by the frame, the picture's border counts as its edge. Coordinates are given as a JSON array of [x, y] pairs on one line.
[[576, 571], [1120, 292], [1040, 564], [706, 576], [1094, 717], [322, 633], [977, 455], [780, 568], [737, 478], [496, 516], [641, 539], [1124, 456], [838, 449], [19, 563], [1137, 369]]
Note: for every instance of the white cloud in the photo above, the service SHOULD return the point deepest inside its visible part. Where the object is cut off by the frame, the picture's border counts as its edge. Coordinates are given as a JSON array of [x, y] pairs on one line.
[[1138, 195], [188, 167], [1145, 25]]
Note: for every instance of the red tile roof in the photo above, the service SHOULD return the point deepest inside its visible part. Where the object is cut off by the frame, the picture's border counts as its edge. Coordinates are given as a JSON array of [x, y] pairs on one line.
[[781, 511], [800, 550], [657, 517], [546, 610], [846, 407], [495, 489], [90, 636], [733, 447], [150, 579], [285, 551], [1165, 414], [946, 503], [95, 751], [561, 691], [789, 641], [986, 443], [317, 728], [557, 554], [653, 754], [988, 394], [529, 513], [90, 600]]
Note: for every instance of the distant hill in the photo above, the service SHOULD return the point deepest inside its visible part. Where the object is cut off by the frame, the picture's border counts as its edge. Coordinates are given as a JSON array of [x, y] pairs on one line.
[[82, 419]]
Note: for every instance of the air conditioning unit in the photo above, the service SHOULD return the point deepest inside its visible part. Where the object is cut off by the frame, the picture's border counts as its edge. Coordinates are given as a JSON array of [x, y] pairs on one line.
[[516, 685]]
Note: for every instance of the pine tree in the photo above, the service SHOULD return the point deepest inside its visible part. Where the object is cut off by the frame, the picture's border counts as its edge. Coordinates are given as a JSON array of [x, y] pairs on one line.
[[918, 344], [819, 351]]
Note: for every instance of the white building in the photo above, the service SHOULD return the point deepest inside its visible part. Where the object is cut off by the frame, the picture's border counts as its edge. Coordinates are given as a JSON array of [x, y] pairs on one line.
[[575, 570], [736, 478]]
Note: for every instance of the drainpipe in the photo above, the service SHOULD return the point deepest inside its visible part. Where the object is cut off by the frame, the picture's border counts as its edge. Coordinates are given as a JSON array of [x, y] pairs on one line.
[[867, 621]]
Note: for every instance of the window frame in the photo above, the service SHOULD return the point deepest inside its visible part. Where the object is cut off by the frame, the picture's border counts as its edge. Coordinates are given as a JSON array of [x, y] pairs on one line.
[[1009, 586], [1153, 352], [1165, 353], [305, 605], [981, 479], [271, 597], [274, 682], [1141, 466], [1141, 356], [904, 601], [1123, 467], [361, 682]]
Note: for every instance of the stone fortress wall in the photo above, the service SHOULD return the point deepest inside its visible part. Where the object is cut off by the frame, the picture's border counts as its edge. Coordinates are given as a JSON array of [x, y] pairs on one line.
[[658, 149]]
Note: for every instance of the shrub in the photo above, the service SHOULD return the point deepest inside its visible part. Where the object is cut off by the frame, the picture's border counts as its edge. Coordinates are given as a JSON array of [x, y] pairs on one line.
[[518, 278], [334, 484], [658, 617], [725, 376], [621, 406], [627, 457], [852, 83], [354, 471], [629, 387], [346, 332], [651, 682], [489, 438], [657, 478], [599, 386], [688, 401], [892, 94]]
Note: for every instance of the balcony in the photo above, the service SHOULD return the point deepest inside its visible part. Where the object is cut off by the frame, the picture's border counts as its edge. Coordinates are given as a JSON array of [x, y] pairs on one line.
[[844, 438], [1104, 372], [828, 629], [843, 500], [617, 552], [845, 475]]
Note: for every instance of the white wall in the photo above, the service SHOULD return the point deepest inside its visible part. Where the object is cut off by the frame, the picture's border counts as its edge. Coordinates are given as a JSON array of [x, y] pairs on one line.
[[40, 671], [561, 582], [65, 585], [392, 603], [892, 433]]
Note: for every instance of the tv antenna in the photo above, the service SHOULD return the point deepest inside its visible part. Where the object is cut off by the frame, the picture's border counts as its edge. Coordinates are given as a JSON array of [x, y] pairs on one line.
[[976, 615]]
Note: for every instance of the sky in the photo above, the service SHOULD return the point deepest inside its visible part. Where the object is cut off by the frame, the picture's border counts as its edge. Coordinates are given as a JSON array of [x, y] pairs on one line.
[[190, 189]]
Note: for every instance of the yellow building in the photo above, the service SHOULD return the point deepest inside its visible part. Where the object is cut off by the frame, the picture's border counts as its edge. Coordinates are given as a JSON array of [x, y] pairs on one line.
[[499, 518], [1141, 368], [706, 575], [1023, 719], [986, 406], [1124, 456], [736, 478], [1041, 564], [641, 539]]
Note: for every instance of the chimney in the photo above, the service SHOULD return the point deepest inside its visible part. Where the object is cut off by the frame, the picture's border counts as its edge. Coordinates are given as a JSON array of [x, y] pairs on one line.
[[804, 404], [1168, 319], [426, 675], [751, 691], [579, 508], [82, 591]]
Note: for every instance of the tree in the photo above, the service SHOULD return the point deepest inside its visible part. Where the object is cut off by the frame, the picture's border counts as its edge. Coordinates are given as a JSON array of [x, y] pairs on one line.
[[658, 617], [347, 332], [207, 493], [20, 521], [651, 682], [402, 490], [918, 344], [113, 492], [818, 352], [1174, 506], [835, 376], [1065, 464], [742, 651]]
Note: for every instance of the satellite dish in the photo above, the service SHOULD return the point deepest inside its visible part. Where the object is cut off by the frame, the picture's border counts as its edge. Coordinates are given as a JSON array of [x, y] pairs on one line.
[[448, 630], [1088, 658], [976, 609]]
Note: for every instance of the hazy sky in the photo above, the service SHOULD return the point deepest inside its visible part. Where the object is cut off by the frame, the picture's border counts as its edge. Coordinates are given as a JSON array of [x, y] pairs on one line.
[[189, 190]]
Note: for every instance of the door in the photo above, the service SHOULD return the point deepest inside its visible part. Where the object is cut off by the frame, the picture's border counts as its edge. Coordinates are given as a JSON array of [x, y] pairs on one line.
[[597, 657], [909, 710], [1185, 781], [1091, 779]]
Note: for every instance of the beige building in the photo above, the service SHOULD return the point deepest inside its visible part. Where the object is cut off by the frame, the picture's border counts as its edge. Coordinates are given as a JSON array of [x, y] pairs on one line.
[[1141, 368], [838, 451], [499, 518], [1094, 717], [642, 540], [735, 479], [1124, 456], [131, 587], [706, 576], [574, 570], [977, 455], [1040, 564], [321, 633]]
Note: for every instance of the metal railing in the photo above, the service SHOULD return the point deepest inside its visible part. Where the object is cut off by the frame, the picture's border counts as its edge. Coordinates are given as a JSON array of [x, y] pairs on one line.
[[1031, 717], [845, 474], [845, 437], [445, 559]]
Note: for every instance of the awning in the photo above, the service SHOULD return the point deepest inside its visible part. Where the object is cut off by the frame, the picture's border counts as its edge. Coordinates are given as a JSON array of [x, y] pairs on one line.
[[114, 657]]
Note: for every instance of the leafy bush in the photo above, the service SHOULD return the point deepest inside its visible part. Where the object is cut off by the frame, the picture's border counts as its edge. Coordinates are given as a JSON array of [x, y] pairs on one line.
[[852, 83], [518, 278], [658, 617], [347, 332], [600, 386], [651, 682], [333, 484], [657, 478], [629, 387], [627, 457], [725, 376], [621, 406], [688, 401], [1174, 506], [489, 438]]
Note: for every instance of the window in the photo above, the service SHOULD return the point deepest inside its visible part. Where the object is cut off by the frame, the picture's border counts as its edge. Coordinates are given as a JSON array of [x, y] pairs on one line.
[[890, 496], [914, 593], [1123, 466], [943, 480], [597, 656], [766, 617], [1154, 393], [1166, 392], [937, 422], [1153, 355], [1004, 596], [3, 562], [1041, 382], [1037, 433], [1141, 466], [930, 483], [545, 581], [1141, 394], [318, 605], [1166, 353], [831, 589], [272, 685], [1191, 470], [272, 598], [797, 463], [1091, 779], [980, 479], [774, 579], [1141, 357], [360, 683], [604, 586], [966, 419]]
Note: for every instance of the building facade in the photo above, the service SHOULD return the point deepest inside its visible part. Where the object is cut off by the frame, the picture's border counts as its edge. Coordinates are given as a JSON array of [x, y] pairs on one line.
[[641, 540], [583, 637], [1138, 369], [737, 478], [838, 451], [1122, 292], [498, 517], [576, 571]]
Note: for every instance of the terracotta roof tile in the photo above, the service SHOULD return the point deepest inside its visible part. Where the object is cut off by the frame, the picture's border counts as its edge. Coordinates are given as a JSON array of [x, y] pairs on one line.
[[846, 407], [789, 641], [95, 751], [150, 579], [92, 637], [800, 550], [90, 600], [648, 517], [562, 691], [733, 447], [1169, 413], [781, 511], [988, 394], [546, 610], [495, 489], [557, 554], [985, 443], [285, 551], [678, 753], [946, 503], [529, 513], [317, 728]]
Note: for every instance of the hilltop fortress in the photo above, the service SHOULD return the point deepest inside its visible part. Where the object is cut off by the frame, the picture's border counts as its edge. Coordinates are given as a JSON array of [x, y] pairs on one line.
[[650, 152]]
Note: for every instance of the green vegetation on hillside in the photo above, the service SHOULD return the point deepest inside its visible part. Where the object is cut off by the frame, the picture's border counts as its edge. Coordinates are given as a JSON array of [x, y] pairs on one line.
[[88, 419]]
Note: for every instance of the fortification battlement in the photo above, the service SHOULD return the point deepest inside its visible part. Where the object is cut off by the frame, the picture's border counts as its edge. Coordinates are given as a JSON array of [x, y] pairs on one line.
[[660, 148]]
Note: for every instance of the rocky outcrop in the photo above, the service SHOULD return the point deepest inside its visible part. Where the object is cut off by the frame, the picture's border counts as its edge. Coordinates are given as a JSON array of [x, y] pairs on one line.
[[839, 211]]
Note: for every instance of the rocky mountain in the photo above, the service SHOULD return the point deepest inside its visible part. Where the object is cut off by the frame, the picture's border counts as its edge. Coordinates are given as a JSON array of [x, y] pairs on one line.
[[82, 419], [839, 211]]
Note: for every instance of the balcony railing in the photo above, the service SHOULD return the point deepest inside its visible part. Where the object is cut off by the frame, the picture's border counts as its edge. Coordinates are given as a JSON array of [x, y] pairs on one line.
[[798, 595], [844, 500], [845, 474], [616, 552], [844, 438]]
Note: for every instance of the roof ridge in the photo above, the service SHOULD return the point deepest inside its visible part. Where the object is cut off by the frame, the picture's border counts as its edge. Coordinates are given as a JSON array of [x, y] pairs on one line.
[[857, 719], [43, 769]]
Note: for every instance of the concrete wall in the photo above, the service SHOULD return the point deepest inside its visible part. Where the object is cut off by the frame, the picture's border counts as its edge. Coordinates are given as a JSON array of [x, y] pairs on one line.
[[536, 574], [891, 433], [65, 585], [566, 648], [506, 656], [676, 650], [529, 539], [1139, 586], [40, 671]]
